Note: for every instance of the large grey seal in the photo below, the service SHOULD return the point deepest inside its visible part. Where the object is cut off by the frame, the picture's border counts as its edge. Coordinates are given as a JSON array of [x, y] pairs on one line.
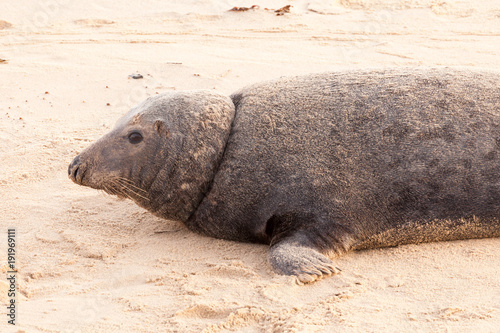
[[315, 165]]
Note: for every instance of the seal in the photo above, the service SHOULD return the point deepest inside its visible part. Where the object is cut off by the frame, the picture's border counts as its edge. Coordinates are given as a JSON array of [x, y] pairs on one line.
[[315, 165]]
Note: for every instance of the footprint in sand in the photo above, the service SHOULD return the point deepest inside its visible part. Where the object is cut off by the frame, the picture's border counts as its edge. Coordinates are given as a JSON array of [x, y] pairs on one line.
[[5, 25], [206, 311], [94, 23]]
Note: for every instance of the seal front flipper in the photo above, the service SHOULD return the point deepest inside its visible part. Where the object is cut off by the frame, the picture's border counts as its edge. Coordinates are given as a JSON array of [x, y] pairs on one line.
[[289, 257], [304, 251]]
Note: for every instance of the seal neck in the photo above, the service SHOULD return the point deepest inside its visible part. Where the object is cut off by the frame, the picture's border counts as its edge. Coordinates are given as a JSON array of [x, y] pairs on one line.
[[195, 147]]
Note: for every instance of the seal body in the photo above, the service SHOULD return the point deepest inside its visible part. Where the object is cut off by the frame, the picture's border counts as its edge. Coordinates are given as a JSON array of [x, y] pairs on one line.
[[322, 164]]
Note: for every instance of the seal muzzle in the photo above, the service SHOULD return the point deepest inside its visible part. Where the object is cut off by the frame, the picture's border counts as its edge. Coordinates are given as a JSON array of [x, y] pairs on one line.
[[76, 171]]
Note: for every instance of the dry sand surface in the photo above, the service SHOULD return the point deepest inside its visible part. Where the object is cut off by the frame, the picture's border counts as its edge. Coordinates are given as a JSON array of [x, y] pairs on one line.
[[89, 262]]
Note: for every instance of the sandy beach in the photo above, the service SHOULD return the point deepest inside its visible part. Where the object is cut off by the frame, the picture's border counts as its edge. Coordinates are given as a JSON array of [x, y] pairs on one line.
[[89, 262]]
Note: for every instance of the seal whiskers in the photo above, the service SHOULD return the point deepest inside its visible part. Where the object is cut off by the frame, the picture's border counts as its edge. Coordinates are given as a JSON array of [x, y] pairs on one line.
[[125, 187], [131, 183]]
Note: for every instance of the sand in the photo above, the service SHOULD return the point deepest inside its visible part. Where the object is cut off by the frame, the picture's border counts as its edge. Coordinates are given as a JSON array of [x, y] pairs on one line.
[[89, 262]]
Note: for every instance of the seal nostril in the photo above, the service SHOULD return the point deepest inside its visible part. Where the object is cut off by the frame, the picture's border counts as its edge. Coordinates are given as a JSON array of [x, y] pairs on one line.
[[75, 172]]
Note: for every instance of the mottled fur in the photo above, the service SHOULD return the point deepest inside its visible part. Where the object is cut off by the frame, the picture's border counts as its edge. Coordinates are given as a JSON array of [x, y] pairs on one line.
[[321, 164]]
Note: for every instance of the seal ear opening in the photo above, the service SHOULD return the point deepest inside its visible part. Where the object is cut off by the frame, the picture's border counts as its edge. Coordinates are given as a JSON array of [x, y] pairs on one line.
[[161, 128]]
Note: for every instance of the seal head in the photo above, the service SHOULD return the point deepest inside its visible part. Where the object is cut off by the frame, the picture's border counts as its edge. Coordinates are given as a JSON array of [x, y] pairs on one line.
[[163, 154]]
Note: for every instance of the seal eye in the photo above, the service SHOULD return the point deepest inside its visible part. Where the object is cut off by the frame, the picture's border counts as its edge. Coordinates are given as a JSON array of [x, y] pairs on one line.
[[135, 137]]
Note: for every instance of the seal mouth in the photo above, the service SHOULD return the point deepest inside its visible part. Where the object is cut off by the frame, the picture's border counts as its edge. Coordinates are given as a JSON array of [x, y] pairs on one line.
[[114, 185]]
